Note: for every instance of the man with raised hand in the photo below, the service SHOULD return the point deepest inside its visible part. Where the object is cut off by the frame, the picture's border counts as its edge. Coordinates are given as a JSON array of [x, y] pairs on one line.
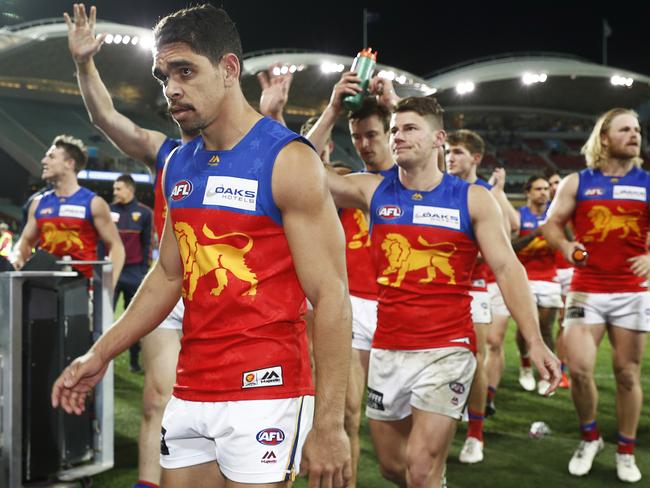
[[608, 205], [160, 347], [427, 228], [238, 243]]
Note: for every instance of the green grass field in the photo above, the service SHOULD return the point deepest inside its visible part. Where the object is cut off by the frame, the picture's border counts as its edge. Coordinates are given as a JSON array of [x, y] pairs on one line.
[[512, 459]]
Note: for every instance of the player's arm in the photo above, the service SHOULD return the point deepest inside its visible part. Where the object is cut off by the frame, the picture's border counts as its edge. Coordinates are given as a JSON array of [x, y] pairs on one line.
[[129, 137], [321, 132], [511, 278], [561, 210], [146, 236], [317, 246], [109, 235], [154, 300], [27, 240], [511, 222]]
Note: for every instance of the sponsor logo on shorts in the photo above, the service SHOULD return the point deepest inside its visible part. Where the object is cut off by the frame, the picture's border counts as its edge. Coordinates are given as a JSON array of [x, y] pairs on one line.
[[484, 306], [270, 437], [457, 388], [228, 191], [375, 399], [74, 211], [594, 192], [269, 458], [263, 377], [454, 401], [164, 450], [389, 212], [626, 192], [575, 313], [438, 216], [182, 189], [647, 312]]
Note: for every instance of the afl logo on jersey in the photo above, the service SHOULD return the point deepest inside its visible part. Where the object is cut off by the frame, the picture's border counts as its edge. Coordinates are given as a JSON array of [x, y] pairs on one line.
[[389, 212], [270, 437], [181, 190]]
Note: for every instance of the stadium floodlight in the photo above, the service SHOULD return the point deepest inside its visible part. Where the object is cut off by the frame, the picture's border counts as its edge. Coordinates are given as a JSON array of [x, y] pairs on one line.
[[284, 70], [135, 40], [108, 39], [401, 79], [328, 67], [464, 87], [293, 68], [146, 42], [126, 39], [386, 74], [531, 78], [618, 80], [117, 38]]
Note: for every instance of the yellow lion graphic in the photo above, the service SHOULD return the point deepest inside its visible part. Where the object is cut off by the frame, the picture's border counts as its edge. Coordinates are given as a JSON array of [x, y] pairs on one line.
[[604, 221], [403, 258], [52, 236], [535, 246], [199, 260], [358, 239]]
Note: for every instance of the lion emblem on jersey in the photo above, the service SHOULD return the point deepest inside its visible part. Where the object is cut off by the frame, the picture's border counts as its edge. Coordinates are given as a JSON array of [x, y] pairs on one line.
[[403, 258], [361, 238], [605, 221], [53, 236], [535, 246], [202, 259]]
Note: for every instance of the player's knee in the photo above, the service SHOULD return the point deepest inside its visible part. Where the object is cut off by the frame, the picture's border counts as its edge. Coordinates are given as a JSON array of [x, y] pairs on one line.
[[420, 468], [627, 378], [154, 400], [393, 471]]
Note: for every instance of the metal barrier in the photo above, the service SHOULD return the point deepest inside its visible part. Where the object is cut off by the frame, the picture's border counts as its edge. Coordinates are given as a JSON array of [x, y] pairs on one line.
[[47, 318]]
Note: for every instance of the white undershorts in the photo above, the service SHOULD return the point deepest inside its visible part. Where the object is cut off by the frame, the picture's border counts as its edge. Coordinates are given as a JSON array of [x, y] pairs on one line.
[[364, 322], [626, 310], [563, 277], [548, 294], [175, 318], [253, 441], [481, 313], [497, 304]]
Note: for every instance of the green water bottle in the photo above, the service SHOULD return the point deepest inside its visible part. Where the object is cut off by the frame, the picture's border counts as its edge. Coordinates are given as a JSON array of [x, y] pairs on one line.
[[363, 65]]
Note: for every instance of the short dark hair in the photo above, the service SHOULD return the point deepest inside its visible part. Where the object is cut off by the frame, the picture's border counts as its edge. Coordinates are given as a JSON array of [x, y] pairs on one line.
[[469, 139], [533, 179], [74, 148], [127, 179], [548, 172], [427, 107], [208, 30], [370, 107]]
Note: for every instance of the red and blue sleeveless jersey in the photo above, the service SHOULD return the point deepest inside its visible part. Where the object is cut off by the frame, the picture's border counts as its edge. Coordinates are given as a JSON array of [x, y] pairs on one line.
[[538, 257], [424, 249], [362, 278], [159, 202], [611, 220], [65, 226], [243, 333], [481, 270]]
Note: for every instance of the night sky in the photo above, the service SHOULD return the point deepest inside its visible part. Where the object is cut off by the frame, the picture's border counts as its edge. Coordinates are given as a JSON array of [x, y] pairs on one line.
[[420, 37]]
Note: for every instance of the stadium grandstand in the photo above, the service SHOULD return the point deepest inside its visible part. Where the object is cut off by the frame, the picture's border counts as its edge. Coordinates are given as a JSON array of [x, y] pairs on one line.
[[534, 110]]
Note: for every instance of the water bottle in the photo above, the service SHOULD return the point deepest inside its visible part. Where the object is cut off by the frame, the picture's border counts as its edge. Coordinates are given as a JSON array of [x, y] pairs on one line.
[[363, 66]]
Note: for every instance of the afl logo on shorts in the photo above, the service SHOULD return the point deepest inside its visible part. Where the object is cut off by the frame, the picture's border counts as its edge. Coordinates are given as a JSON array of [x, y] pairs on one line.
[[182, 189], [389, 212], [270, 437]]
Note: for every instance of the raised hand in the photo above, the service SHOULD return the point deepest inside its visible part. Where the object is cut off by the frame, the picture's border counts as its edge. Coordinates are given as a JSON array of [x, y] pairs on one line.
[[82, 42], [275, 92]]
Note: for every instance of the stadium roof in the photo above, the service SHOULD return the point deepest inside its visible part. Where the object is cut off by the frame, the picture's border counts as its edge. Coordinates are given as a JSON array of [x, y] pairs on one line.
[[540, 82]]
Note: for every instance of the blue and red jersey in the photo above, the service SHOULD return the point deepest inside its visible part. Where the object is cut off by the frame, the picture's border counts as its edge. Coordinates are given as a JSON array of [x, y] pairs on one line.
[[538, 257], [424, 248], [159, 202], [243, 333], [66, 228], [611, 220], [481, 270]]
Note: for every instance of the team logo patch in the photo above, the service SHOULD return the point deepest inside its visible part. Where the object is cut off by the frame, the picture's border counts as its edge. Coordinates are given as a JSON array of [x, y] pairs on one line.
[[375, 399], [594, 192], [575, 313], [438, 216], [214, 161], [228, 191], [182, 189], [136, 216], [263, 377], [625, 192], [528, 225], [417, 197], [270, 437], [457, 388], [389, 212], [269, 458], [46, 211], [73, 211]]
